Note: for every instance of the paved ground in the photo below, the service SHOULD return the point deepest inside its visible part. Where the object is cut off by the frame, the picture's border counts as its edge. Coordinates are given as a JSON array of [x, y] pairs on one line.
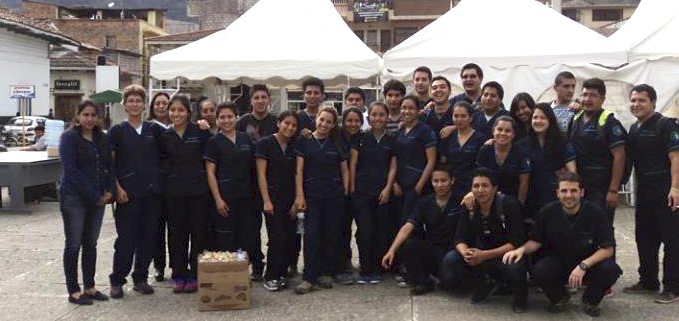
[[32, 288]]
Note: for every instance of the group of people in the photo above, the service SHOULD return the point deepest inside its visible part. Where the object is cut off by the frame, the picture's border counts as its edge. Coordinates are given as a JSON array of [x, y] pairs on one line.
[[456, 192]]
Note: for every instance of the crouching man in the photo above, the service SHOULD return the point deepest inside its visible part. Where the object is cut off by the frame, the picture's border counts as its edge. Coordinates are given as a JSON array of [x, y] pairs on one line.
[[483, 236], [579, 243], [437, 214]]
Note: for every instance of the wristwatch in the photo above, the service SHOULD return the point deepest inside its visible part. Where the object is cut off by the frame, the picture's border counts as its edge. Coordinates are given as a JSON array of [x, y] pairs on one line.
[[583, 266]]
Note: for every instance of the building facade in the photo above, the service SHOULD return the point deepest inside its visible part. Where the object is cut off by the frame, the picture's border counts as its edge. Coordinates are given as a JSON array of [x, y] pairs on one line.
[[217, 14]]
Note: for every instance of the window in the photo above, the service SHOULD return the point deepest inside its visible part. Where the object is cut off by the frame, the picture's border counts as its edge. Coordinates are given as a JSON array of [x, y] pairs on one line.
[[110, 41], [607, 15], [385, 40], [401, 34], [570, 13], [371, 39]]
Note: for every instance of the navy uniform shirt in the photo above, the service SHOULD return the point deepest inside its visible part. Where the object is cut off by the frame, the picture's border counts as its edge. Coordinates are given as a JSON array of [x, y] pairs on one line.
[[480, 123], [87, 165], [374, 158], [235, 164], [573, 239], [322, 166], [462, 159], [280, 168], [492, 231], [137, 158], [464, 97], [649, 145], [438, 223], [410, 153], [306, 121], [257, 128], [423, 103], [593, 149], [516, 163], [432, 119], [544, 165], [184, 164]]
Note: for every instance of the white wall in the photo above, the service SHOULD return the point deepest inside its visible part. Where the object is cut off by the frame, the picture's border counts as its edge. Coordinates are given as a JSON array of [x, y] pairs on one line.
[[24, 60]]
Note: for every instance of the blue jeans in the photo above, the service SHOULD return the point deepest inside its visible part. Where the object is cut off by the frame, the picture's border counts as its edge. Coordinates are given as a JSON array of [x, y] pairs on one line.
[[82, 223]]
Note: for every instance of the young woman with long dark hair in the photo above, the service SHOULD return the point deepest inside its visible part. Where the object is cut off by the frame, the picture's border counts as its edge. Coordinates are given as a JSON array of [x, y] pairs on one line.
[[521, 110], [86, 188], [275, 159]]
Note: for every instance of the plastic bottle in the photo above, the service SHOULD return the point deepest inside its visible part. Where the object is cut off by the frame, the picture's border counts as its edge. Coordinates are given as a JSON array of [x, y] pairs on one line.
[[300, 223]]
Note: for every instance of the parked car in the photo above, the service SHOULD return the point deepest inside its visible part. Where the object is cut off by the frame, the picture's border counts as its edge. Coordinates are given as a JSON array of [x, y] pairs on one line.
[[15, 127]]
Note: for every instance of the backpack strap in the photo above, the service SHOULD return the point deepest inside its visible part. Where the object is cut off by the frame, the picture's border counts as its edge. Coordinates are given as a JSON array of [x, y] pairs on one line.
[[499, 202]]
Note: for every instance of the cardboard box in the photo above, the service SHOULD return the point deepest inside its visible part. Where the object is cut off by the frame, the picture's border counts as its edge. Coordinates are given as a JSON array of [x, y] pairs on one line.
[[223, 286], [52, 151]]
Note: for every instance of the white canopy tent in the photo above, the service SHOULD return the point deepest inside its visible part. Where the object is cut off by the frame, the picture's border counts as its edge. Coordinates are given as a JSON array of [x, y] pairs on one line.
[[277, 42], [650, 37], [522, 44]]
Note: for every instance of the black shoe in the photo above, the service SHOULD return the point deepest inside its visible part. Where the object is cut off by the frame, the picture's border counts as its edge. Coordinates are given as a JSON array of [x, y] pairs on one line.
[[591, 310], [97, 296], [117, 291], [560, 305], [82, 300], [324, 282], [639, 288], [421, 289], [160, 275], [143, 288], [520, 305], [484, 290]]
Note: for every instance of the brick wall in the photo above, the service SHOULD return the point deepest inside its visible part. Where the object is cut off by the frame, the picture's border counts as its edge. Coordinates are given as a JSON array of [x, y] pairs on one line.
[[127, 32], [39, 10], [420, 7]]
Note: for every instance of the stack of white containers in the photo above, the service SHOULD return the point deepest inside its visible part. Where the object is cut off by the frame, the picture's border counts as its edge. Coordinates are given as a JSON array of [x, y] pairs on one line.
[[53, 130]]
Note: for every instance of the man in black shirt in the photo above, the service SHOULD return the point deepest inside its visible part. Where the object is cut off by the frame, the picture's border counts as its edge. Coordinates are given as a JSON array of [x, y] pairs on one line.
[[578, 241], [599, 141], [421, 83], [472, 77], [258, 124], [486, 233], [490, 108], [437, 214], [654, 144], [440, 115]]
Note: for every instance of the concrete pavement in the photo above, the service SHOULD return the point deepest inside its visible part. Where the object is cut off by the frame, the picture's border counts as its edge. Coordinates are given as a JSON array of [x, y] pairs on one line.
[[32, 288]]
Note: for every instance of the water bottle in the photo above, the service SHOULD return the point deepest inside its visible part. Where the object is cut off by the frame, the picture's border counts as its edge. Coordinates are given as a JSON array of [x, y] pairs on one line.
[[300, 223]]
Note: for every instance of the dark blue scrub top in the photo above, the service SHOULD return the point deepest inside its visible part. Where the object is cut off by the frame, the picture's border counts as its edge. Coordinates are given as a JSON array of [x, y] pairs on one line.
[[185, 167], [544, 164], [410, 153], [436, 123], [480, 123], [235, 164], [507, 174], [374, 158], [137, 161], [306, 121], [322, 167], [280, 168], [462, 159]]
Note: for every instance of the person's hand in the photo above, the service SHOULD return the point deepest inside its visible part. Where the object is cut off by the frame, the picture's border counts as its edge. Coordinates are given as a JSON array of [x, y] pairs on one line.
[[203, 124], [292, 212], [388, 260], [398, 191], [468, 201], [446, 131], [108, 198], [384, 196], [122, 196], [575, 106], [268, 207], [611, 199], [418, 188], [490, 142], [474, 256], [575, 279], [513, 257], [673, 198], [306, 132], [222, 207], [300, 204]]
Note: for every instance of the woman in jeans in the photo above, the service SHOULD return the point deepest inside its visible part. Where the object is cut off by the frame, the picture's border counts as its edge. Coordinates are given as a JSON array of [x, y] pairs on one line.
[[86, 187]]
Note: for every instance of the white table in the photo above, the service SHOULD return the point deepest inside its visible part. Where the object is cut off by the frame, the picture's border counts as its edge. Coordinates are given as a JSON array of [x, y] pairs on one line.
[[19, 169]]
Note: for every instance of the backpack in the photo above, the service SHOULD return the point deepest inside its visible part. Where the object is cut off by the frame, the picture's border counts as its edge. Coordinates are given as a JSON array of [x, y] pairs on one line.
[[603, 117]]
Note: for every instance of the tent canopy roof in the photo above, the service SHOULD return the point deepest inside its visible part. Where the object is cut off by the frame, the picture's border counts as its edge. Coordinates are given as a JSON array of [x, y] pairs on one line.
[[274, 40], [651, 32], [502, 34]]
